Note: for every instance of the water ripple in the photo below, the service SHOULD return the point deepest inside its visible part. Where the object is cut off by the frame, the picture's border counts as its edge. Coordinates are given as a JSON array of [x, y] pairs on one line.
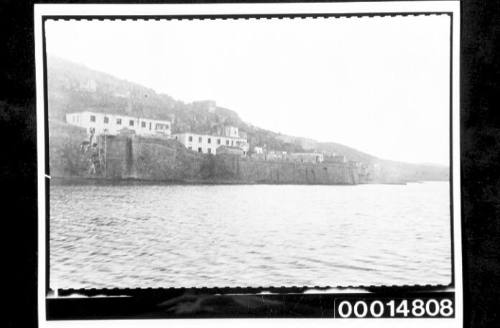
[[259, 235]]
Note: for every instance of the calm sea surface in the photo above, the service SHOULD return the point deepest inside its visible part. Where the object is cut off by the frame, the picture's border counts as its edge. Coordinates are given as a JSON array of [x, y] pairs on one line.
[[249, 235]]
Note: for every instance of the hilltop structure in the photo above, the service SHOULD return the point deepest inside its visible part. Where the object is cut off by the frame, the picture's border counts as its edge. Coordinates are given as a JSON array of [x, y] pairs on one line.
[[111, 124]]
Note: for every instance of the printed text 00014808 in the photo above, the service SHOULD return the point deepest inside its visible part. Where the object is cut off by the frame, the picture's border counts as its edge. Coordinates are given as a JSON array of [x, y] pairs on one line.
[[417, 307]]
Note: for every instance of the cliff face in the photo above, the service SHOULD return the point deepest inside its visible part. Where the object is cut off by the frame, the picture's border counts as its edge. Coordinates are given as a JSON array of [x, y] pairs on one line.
[[134, 157]]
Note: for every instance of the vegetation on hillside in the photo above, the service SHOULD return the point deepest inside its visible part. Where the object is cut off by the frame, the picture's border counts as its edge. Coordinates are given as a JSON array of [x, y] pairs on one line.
[[74, 88]]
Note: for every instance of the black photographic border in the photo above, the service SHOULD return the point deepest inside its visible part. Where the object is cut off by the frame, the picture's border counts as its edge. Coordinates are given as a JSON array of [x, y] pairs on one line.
[[143, 302]]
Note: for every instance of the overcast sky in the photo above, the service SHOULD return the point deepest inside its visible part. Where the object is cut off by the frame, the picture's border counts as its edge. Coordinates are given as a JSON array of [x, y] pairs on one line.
[[380, 85]]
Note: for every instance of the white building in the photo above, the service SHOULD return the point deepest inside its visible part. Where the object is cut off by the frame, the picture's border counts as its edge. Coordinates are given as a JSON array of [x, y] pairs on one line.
[[111, 124], [231, 131], [258, 150], [208, 144], [306, 157]]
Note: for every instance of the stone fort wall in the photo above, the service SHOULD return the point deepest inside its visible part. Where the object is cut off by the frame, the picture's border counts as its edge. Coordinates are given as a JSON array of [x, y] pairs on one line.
[[140, 158]]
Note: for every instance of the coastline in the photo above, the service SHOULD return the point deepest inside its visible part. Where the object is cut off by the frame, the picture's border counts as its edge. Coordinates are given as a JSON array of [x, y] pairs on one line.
[[93, 181], [82, 181]]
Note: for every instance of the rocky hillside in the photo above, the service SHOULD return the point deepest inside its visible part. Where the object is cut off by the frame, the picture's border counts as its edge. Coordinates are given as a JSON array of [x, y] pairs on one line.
[[73, 88]]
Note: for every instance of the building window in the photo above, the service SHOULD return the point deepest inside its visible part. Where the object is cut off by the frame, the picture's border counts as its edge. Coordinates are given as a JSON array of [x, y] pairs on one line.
[[149, 126], [227, 142], [92, 118], [106, 119], [209, 150], [199, 149], [232, 142], [143, 124], [218, 141], [190, 138], [167, 126], [199, 139], [119, 121], [131, 123], [209, 140]]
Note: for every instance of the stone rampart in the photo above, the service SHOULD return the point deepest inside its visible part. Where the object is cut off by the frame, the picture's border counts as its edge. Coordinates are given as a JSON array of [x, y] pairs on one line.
[[140, 158]]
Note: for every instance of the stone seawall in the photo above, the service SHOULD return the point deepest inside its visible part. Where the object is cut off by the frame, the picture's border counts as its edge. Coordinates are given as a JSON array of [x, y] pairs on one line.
[[138, 158], [168, 160], [159, 159], [276, 172]]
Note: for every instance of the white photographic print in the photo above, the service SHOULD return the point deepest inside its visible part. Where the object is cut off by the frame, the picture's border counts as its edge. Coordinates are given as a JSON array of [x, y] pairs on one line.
[[281, 153]]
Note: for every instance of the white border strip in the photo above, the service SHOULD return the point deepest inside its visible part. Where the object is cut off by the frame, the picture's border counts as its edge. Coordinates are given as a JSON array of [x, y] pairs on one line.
[[229, 9], [260, 8]]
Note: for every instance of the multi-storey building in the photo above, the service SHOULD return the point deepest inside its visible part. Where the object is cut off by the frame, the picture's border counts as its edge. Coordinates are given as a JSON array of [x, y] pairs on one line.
[[208, 144], [111, 124]]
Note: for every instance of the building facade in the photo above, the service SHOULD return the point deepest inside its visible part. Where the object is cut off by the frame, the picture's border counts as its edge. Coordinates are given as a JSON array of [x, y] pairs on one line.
[[208, 144], [258, 150], [306, 157], [336, 159], [112, 124], [231, 131]]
